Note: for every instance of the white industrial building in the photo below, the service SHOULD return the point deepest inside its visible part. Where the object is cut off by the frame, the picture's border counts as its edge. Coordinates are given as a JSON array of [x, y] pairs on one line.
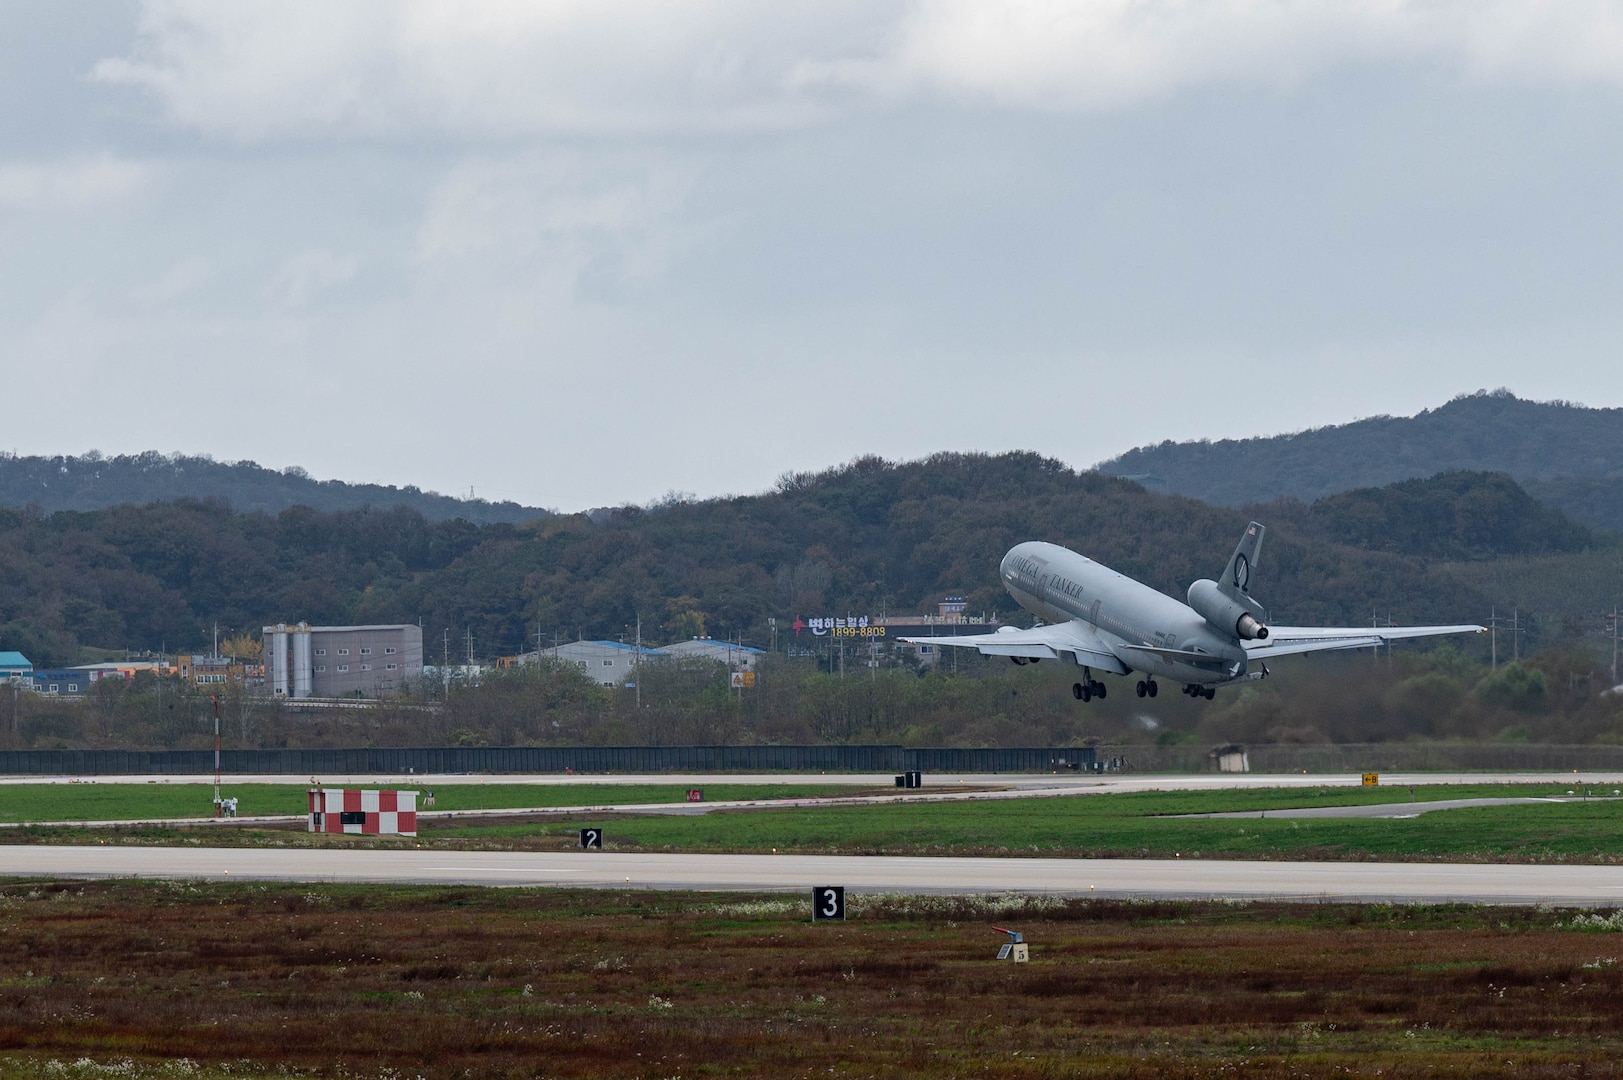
[[736, 656], [304, 661], [607, 662]]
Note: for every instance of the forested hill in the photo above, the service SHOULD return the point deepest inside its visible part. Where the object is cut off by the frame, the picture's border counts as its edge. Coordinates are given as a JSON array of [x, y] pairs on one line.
[[1567, 455], [870, 537], [1462, 516], [94, 481]]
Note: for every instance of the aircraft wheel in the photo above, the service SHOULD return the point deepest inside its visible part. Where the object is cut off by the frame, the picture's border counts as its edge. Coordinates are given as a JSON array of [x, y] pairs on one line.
[[1151, 688], [1099, 690], [1076, 691], [1087, 693], [1140, 688], [1211, 692]]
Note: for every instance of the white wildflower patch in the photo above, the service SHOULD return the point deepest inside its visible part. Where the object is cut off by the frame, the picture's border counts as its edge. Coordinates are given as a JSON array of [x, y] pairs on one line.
[[1596, 923], [973, 905], [797, 906]]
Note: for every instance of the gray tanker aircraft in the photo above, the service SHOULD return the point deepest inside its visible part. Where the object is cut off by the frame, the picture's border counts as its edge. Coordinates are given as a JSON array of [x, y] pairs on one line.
[[1107, 621]]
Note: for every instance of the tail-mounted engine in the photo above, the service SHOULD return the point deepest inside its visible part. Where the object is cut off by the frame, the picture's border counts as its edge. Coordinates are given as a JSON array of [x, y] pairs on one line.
[[1229, 611]]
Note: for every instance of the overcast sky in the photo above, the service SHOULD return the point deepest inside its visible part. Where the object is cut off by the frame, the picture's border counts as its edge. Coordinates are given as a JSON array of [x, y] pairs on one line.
[[587, 252]]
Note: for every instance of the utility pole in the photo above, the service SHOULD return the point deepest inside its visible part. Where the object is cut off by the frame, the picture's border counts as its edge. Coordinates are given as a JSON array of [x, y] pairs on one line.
[[1516, 633], [636, 669], [445, 662], [1493, 638], [217, 804], [1614, 648]]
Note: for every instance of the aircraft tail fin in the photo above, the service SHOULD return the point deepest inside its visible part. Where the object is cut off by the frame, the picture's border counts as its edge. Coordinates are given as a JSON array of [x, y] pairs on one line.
[[1236, 579]]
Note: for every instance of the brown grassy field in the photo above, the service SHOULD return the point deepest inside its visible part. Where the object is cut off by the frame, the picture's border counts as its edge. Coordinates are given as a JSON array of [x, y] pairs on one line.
[[128, 979]]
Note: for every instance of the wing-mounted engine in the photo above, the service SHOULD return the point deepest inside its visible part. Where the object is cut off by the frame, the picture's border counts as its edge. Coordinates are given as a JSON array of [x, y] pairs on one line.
[[1227, 605]]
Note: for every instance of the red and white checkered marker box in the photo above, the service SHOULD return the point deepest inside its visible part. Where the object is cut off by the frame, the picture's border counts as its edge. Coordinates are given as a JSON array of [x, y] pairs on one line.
[[357, 810]]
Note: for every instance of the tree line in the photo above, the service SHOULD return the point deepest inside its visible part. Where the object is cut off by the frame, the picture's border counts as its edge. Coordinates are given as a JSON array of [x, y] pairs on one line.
[[94, 481], [870, 537], [1559, 695]]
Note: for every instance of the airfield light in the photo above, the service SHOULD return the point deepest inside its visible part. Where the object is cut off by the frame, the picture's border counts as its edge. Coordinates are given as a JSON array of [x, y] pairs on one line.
[[1015, 948]]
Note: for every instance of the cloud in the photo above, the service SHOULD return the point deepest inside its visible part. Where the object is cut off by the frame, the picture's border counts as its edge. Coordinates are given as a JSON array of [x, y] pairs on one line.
[[308, 273], [311, 69], [70, 185], [598, 226], [306, 68], [1105, 54], [177, 281]]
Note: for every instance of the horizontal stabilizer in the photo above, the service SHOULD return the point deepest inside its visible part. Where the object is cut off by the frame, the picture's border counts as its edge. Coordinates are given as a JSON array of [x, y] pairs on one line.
[[1287, 640]]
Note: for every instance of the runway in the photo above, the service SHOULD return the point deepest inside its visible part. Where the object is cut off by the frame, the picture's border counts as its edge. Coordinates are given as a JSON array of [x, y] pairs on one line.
[[1072, 783], [1162, 879]]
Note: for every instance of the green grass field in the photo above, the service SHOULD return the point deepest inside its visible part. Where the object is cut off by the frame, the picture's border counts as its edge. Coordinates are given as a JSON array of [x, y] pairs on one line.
[[1126, 825], [128, 802], [1131, 825]]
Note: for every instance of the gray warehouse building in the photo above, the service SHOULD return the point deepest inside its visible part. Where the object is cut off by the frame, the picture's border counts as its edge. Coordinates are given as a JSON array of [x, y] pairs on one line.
[[304, 661]]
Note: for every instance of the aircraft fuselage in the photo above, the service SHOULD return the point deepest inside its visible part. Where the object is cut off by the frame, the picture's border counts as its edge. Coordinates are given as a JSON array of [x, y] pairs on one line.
[[1059, 585]]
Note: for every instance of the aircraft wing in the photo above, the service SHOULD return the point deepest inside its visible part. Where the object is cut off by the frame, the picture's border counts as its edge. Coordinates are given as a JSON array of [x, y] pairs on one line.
[[1184, 656], [1285, 640], [1038, 643]]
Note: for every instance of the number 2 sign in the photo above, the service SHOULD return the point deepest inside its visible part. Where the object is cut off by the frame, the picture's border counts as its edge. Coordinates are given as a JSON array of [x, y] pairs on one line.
[[828, 902]]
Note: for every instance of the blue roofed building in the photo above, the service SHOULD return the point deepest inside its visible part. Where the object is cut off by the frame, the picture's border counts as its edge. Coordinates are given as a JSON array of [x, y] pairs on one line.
[[736, 656], [608, 662], [14, 665]]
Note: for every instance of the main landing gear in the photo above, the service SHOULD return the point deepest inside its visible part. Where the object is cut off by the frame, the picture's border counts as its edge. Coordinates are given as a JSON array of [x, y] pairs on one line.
[[1147, 688], [1207, 692], [1088, 690]]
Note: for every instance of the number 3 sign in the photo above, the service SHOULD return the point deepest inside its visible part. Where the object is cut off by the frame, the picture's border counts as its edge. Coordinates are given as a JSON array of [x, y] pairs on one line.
[[828, 902]]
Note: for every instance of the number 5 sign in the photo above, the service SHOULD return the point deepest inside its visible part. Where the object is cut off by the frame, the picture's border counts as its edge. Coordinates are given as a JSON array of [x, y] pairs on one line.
[[828, 902]]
